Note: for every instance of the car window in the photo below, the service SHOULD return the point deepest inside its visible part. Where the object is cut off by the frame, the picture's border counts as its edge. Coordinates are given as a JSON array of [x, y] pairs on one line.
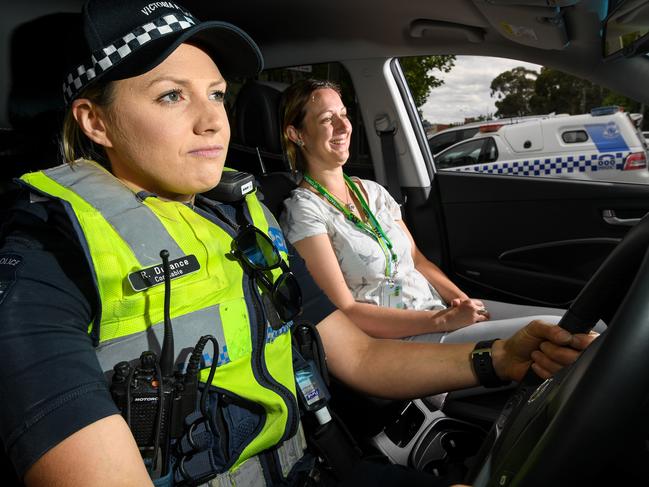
[[574, 136], [463, 154], [467, 133], [567, 127], [438, 143]]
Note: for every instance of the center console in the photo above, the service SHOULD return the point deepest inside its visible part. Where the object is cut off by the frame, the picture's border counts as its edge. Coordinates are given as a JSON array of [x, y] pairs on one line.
[[425, 438]]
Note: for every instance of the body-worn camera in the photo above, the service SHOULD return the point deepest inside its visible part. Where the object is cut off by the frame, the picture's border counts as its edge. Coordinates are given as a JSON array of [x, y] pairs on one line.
[[153, 406]]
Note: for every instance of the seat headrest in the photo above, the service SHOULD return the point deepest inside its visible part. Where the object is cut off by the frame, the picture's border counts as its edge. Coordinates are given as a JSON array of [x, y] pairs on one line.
[[258, 116], [35, 105], [35, 94]]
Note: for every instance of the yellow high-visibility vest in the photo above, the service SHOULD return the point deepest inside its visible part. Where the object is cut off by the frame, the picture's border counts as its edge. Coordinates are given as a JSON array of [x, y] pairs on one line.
[[122, 235]]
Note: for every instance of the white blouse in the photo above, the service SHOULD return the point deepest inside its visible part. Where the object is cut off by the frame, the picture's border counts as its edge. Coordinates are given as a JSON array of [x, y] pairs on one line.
[[359, 255]]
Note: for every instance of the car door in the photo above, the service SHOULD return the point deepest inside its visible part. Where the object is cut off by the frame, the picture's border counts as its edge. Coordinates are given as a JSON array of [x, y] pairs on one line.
[[531, 240]]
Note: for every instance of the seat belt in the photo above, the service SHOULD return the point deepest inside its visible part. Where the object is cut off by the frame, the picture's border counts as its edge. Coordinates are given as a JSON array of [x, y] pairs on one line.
[[386, 130]]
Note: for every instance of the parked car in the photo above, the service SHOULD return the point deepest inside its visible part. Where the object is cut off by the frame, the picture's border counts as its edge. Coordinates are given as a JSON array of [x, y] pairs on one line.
[[518, 239], [601, 146], [447, 137]]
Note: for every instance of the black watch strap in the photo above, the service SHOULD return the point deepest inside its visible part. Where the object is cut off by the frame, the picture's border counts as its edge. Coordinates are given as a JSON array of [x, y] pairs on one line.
[[483, 365]]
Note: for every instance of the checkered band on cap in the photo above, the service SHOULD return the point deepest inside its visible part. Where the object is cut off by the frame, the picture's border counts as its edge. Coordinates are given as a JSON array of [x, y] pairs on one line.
[[107, 57]]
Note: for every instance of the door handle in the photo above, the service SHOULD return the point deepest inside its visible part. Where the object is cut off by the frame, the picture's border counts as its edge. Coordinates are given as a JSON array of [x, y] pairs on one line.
[[610, 218]]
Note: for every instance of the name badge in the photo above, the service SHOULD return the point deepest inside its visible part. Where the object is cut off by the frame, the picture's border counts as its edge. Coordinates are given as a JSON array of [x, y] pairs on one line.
[[152, 276], [391, 293]]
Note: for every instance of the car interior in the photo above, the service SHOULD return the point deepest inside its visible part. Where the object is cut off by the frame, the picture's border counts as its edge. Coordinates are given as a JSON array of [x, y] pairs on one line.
[[522, 240]]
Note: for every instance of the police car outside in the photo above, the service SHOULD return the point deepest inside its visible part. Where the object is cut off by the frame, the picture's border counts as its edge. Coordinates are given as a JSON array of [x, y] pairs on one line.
[[604, 145], [443, 139]]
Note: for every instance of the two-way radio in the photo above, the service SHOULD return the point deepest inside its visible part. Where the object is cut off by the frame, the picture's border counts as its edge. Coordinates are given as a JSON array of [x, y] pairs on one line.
[[153, 398]]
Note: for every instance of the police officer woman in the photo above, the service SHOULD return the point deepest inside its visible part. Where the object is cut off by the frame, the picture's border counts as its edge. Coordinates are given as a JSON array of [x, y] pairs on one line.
[[86, 243]]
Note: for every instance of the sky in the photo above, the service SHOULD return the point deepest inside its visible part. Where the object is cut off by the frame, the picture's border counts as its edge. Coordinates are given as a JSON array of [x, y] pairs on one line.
[[465, 92]]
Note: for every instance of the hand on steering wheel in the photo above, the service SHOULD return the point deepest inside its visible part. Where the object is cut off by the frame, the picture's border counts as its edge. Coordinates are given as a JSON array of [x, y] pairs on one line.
[[559, 432], [547, 348]]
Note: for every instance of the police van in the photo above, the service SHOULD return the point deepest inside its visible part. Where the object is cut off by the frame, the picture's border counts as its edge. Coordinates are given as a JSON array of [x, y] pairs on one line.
[[443, 139], [604, 145]]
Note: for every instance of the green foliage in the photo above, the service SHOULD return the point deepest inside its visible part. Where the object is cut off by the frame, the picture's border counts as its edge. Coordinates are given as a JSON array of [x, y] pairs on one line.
[[418, 72], [555, 91], [483, 118], [522, 92], [613, 98], [513, 89]]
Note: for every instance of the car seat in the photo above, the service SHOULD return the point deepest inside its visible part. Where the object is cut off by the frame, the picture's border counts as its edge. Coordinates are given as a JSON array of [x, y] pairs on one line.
[[35, 104], [35, 101], [258, 146]]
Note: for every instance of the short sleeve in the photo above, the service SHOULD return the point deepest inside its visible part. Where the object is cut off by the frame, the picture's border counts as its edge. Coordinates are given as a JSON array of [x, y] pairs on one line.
[[302, 217], [50, 380]]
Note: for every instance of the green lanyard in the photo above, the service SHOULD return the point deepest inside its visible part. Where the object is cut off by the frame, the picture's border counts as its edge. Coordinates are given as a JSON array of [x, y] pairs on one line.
[[375, 230]]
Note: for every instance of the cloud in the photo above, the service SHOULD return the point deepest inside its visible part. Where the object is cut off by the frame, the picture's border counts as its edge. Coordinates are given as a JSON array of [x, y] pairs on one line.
[[465, 92]]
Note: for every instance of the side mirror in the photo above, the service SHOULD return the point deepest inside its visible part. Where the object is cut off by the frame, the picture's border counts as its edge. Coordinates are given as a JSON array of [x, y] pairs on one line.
[[626, 30]]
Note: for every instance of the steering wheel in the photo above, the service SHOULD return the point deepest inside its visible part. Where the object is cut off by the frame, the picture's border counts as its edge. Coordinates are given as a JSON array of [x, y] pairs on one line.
[[555, 432]]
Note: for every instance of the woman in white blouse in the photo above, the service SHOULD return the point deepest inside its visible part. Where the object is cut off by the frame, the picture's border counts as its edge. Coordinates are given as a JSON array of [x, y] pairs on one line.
[[354, 241]]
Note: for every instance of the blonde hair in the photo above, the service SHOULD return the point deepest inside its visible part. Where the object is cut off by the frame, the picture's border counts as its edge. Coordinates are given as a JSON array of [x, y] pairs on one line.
[[74, 143], [294, 101]]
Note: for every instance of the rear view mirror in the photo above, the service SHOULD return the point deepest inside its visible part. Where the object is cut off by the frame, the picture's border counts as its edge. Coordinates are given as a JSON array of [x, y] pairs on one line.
[[626, 29]]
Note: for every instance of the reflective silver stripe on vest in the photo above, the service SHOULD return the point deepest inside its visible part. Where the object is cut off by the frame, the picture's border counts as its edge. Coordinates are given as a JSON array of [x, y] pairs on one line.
[[251, 473], [292, 450], [134, 222], [270, 218], [188, 329]]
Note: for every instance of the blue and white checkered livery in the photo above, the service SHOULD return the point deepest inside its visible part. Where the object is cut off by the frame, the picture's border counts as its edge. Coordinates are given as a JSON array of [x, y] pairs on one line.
[[553, 166], [112, 54], [602, 147]]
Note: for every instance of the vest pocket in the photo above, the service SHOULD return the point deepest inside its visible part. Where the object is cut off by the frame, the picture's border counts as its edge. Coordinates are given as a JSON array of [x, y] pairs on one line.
[[212, 444]]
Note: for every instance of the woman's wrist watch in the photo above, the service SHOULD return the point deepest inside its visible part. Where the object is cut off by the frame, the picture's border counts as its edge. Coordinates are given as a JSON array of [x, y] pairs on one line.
[[483, 365]]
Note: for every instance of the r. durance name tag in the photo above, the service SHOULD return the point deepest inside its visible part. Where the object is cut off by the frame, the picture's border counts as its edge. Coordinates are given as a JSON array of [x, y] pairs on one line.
[[152, 276]]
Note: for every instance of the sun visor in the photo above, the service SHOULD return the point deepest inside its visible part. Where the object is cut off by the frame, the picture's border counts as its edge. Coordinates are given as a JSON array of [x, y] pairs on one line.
[[534, 26]]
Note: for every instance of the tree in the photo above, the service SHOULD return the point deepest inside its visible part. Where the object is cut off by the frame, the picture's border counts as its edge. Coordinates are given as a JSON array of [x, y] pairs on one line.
[[524, 92], [513, 89], [559, 92], [629, 105], [419, 74]]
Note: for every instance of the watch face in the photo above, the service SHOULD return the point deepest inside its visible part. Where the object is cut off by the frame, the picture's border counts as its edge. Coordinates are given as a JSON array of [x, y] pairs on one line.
[[483, 365]]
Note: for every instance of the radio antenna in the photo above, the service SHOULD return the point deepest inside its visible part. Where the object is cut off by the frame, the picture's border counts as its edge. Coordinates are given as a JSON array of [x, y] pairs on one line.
[[167, 352]]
